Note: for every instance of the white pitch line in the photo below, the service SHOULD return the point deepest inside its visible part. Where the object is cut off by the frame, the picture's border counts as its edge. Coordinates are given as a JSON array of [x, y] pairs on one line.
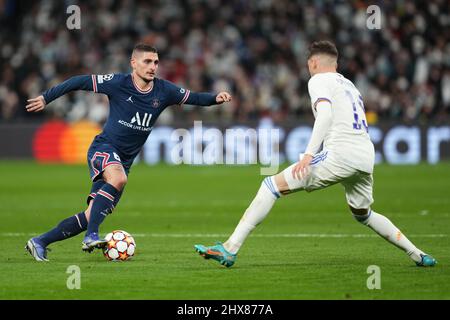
[[263, 235], [276, 235]]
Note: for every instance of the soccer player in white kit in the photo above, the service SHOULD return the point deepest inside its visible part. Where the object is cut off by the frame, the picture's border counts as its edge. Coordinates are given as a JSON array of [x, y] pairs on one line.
[[347, 157]]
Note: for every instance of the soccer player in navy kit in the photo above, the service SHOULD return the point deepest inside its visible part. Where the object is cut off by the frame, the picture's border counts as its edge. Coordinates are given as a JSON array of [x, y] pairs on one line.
[[136, 100]]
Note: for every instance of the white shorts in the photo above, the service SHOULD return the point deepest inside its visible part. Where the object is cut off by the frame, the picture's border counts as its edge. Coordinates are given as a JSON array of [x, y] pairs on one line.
[[325, 171]]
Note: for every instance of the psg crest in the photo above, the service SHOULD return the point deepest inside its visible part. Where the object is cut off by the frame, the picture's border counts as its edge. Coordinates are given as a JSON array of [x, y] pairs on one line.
[[155, 103]]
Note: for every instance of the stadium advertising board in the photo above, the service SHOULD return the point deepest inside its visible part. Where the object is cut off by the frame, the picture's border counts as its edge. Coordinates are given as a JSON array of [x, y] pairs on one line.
[[207, 144], [239, 145]]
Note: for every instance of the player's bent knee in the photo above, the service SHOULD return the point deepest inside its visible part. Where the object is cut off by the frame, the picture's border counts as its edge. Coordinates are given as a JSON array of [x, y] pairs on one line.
[[119, 182], [360, 215], [281, 183], [277, 185], [359, 212], [290, 184], [115, 175]]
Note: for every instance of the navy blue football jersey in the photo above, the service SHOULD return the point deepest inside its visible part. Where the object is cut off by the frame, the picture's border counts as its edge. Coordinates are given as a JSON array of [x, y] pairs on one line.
[[133, 112]]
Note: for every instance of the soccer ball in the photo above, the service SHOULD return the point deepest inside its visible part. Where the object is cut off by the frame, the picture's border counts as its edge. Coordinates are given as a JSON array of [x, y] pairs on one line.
[[120, 247]]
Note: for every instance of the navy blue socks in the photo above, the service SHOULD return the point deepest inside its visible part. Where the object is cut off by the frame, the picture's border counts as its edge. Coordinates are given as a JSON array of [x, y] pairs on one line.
[[104, 202], [103, 205], [65, 229]]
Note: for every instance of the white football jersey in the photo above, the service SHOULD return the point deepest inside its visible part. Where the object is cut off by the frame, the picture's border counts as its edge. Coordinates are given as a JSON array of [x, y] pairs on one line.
[[347, 137]]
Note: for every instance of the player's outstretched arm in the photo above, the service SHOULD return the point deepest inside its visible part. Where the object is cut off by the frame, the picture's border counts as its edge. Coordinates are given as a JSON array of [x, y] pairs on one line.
[[36, 104], [206, 98], [82, 82], [320, 129], [180, 96]]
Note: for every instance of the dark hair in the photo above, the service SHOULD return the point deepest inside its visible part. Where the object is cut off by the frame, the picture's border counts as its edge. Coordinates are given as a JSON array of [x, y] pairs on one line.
[[323, 47], [142, 47]]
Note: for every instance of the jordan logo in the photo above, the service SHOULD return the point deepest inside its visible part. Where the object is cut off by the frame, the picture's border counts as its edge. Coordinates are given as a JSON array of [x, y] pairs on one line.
[[130, 100]]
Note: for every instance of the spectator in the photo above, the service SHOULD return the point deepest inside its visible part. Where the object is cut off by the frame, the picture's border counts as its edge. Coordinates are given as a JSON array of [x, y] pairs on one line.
[[256, 49]]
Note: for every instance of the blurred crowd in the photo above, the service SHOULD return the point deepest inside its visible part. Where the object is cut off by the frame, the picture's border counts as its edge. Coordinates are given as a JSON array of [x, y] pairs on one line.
[[254, 49]]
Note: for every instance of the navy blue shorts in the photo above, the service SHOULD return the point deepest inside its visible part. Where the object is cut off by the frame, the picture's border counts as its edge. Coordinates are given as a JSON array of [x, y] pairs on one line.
[[99, 157]]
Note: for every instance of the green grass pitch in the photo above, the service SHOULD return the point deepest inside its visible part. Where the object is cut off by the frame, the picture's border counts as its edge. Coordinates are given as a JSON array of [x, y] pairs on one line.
[[309, 247]]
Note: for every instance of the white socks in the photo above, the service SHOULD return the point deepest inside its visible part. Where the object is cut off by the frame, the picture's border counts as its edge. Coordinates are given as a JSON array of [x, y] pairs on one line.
[[267, 195], [254, 215], [385, 228]]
